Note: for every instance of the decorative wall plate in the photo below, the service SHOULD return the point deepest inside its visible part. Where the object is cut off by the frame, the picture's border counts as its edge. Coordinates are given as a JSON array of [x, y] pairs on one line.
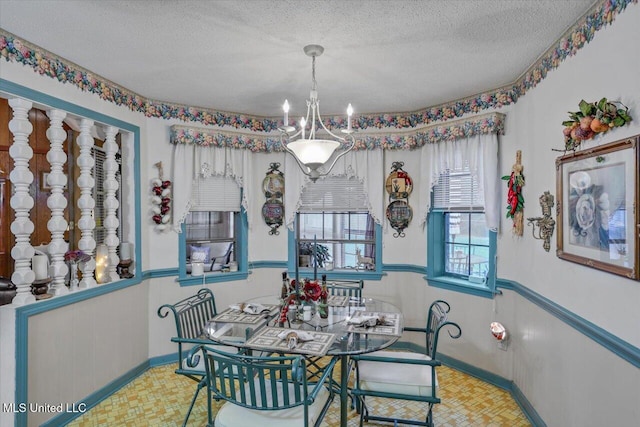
[[399, 184], [273, 208], [399, 215]]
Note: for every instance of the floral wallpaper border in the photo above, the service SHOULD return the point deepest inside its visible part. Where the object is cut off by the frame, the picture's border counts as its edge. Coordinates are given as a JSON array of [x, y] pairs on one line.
[[13, 49], [484, 124]]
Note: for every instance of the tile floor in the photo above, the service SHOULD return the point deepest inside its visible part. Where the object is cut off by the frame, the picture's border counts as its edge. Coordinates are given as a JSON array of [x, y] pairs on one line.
[[159, 397]]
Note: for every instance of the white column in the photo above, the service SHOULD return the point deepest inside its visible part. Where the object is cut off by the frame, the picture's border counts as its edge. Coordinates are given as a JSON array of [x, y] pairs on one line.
[[111, 203], [21, 201], [86, 203], [57, 202]]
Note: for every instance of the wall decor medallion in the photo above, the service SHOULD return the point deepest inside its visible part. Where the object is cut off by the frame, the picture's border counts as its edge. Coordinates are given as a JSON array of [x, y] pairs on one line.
[[597, 212], [273, 208], [399, 186]]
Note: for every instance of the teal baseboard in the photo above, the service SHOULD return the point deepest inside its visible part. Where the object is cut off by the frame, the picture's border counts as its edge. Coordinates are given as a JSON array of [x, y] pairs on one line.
[[77, 409], [486, 376]]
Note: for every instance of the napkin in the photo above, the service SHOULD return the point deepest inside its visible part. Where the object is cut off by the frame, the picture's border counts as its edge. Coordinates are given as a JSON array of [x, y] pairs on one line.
[[293, 337], [367, 321], [249, 308]]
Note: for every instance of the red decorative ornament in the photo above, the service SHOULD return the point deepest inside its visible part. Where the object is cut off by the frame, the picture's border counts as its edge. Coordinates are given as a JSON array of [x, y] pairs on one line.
[[160, 200]]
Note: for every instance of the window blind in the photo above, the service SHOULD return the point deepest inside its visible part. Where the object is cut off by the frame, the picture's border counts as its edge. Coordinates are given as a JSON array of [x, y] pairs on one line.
[[335, 194], [99, 211], [458, 190], [215, 193]]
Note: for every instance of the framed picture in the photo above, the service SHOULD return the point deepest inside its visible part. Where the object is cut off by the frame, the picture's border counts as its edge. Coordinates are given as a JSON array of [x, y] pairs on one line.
[[44, 184], [597, 191]]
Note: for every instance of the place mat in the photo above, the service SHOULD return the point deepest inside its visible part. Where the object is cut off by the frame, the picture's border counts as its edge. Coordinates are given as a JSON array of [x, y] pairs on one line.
[[391, 326], [267, 339], [337, 300], [234, 316]]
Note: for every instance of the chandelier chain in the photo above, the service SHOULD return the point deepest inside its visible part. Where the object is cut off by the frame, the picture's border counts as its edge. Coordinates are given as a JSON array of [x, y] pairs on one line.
[[313, 73]]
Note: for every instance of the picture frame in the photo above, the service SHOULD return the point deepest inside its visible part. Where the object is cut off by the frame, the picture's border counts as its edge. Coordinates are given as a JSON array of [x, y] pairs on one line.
[[597, 218], [43, 182], [44, 185]]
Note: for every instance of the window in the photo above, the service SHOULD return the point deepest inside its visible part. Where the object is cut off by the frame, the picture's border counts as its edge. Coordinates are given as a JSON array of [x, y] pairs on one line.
[[461, 249], [345, 235], [333, 217], [214, 232]]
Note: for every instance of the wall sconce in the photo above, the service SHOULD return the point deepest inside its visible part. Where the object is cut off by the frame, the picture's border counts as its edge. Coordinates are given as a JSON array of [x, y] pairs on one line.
[[500, 333], [544, 223], [102, 263]]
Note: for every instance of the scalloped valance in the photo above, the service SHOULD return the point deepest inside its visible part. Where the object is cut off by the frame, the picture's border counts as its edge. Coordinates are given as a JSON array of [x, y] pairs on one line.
[[479, 125], [13, 49]]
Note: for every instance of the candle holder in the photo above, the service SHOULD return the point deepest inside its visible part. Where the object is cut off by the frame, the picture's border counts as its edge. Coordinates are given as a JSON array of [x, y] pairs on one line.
[[39, 288], [123, 269]]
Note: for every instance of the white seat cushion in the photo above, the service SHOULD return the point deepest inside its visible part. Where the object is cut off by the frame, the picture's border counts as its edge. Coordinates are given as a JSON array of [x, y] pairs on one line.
[[413, 380], [231, 415]]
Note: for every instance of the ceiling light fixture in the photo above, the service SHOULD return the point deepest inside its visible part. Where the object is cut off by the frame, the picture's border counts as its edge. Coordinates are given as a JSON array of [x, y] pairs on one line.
[[312, 153]]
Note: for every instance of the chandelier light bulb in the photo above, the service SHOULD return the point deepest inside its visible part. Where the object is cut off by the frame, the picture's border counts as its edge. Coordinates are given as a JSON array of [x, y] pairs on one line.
[[349, 114], [285, 108]]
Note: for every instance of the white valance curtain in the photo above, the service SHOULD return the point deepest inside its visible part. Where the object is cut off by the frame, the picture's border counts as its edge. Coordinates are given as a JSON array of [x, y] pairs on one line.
[[193, 163], [480, 152], [365, 165]]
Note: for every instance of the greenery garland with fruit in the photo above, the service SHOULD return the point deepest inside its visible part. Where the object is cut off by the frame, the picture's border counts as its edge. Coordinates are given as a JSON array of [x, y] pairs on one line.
[[593, 118]]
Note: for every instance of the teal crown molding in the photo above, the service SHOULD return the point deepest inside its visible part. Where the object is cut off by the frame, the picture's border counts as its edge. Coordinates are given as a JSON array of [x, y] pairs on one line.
[[14, 49]]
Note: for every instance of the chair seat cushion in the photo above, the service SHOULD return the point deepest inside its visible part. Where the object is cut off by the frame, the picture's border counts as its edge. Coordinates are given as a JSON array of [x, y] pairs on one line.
[[231, 415], [388, 377]]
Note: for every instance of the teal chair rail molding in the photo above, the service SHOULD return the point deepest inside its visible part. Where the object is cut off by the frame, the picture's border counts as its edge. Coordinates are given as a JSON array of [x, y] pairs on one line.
[[622, 348]]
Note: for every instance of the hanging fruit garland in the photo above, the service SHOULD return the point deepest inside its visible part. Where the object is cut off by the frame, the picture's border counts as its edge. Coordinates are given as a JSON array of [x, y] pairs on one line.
[[592, 119], [515, 200], [160, 200]]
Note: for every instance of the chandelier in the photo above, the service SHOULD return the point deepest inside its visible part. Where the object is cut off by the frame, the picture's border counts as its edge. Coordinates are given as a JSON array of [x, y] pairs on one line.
[[313, 153]]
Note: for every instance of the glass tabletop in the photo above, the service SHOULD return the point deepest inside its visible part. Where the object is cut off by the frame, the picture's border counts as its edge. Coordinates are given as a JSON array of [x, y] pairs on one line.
[[351, 337]]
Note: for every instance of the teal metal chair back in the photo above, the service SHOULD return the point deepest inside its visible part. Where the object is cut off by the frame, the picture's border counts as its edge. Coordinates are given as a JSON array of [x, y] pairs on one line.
[[437, 319], [349, 288], [405, 375], [262, 383], [190, 316]]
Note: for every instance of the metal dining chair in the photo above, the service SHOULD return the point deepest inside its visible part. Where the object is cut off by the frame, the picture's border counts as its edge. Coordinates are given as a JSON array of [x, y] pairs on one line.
[[263, 390], [348, 288], [405, 375], [190, 316]]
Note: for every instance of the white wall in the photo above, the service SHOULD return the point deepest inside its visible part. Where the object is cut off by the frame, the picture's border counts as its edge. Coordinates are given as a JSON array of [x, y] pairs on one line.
[[570, 380]]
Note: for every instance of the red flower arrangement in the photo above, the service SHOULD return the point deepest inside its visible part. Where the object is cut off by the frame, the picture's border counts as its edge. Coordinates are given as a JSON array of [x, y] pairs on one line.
[[76, 256], [310, 291]]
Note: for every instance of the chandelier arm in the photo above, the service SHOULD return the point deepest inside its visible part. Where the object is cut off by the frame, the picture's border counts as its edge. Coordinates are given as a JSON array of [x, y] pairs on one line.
[[327, 130], [352, 141]]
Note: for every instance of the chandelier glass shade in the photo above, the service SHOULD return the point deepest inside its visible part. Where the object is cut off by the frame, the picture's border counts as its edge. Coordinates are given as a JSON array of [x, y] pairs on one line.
[[315, 156]]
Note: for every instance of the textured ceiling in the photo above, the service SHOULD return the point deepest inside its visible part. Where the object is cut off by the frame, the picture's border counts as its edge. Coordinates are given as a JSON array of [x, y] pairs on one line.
[[246, 56]]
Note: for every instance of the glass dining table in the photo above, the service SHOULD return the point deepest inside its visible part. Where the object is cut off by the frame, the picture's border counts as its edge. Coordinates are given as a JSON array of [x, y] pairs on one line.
[[340, 334]]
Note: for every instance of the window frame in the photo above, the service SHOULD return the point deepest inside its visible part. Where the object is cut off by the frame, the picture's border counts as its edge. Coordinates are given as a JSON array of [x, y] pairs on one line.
[[241, 255], [436, 260], [336, 274]]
